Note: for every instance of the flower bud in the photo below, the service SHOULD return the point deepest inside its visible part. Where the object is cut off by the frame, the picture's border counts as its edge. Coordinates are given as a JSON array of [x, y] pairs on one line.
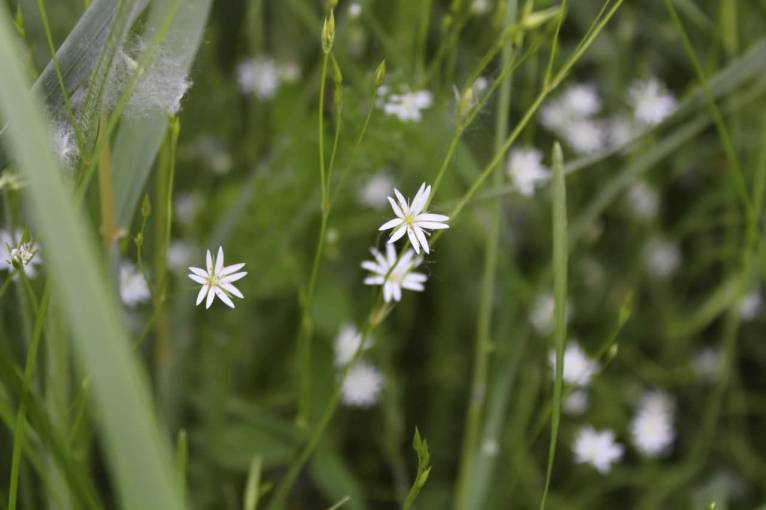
[[380, 73], [328, 33]]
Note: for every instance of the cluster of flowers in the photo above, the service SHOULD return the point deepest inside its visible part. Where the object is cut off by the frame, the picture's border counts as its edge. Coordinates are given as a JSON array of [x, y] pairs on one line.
[[572, 116], [651, 430]]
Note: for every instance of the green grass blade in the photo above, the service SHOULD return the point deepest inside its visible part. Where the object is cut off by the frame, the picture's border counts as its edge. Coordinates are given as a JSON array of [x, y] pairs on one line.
[[138, 139], [252, 486], [138, 455], [560, 255]]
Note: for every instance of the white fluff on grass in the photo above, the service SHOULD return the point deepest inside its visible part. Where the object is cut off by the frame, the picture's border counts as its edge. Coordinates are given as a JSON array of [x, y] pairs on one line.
[[651, 429], [599, 449], [64, 145], [362, 385], [133, 287]]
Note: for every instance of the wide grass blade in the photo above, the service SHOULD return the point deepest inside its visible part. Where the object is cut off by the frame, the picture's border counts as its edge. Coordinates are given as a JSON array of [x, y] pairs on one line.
[[138, 455]]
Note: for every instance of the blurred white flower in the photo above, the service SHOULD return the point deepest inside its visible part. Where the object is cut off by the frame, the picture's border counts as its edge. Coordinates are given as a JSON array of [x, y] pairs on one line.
[[578, 367], [707, 364], [598, 449], [408, 105], [64, 146], [620, 130], [585, 136], [362, 385], [413, 220], [581, 100], [490, 447], [179, 255], [643, 201], [354, 10], [258, 76], [576, 402], [187, 205], [24, 254], [554, 116], [133, 287], [541, 314], [651, 101], [480, 85], [662, 257], [392, 275], [751, 305], [652, 427], [217, 279], [375, 192], [347, 343], [480, 7], [288, 71], [526, 169]]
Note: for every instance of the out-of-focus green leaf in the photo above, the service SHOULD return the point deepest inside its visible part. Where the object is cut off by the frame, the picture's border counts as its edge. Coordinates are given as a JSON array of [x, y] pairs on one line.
[[138, 455]]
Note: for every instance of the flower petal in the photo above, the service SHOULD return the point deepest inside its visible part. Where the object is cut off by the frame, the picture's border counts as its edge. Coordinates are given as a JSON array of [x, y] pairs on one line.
[[219, 261], [210, 298], [398, 233], [223, 297], [198, 279], [234, 277], [421, 198], [391, 224], [201, 294], [422, 238], [231, 269], [431, 225], [431, 217], [402, 201], [231, 289], [198, 271], [209, 262], [413, 239], [397, 210]]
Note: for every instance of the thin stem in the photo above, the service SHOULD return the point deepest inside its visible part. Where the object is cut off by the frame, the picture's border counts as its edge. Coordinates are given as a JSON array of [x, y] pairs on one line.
[[305, 331]]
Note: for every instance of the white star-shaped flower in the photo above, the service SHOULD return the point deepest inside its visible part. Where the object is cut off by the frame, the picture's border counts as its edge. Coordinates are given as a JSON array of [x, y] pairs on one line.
[[392, 275], [598, 449], [217, 280], [412, 220], [526, 169]]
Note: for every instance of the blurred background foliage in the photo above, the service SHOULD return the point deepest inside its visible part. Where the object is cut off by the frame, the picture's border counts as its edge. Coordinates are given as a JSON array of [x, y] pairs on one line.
[[247, 173]]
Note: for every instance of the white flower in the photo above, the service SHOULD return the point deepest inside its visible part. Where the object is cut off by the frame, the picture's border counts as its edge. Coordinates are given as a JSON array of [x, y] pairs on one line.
[[553, 115], [751, 305], [598, 449], [179, 255], [288, 71], [354, 10], [581, 100], [643, 200], [707, 364], [620, 130], [12, 249], [651, 101], [258, 76], [526, 169], [411, 219], [362, 385], [541, 314], [480, 7], [347, 343], [133, 287], [408, 105], [661, 257], [576, 402], [217, 280], [392, 275], [652, 427], [584, 136], [578, 367], [375, 192], [490, 447]]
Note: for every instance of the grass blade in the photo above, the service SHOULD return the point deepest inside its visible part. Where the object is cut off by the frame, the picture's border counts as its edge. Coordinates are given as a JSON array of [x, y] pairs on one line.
[[138, 455]]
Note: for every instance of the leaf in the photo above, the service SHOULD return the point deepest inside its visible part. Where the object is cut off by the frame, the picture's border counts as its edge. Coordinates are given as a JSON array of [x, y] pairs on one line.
[[420, 445], [137, 453]]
